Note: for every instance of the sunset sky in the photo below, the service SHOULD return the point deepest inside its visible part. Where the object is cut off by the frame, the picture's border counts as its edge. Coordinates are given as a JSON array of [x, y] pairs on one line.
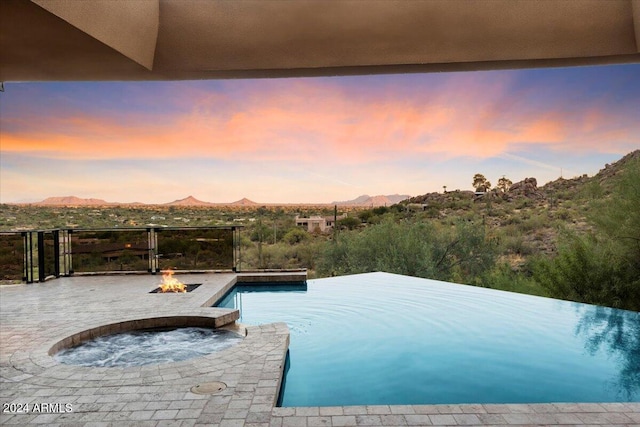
[[312, 140]]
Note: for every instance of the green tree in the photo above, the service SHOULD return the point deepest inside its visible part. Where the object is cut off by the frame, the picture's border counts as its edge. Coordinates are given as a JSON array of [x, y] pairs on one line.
[[380, 210], [365, 215], [349, 222], [504, 184], [296, 235], [480, 183]]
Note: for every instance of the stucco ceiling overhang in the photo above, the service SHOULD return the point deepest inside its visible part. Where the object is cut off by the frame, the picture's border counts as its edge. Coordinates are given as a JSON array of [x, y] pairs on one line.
[[57, 40]]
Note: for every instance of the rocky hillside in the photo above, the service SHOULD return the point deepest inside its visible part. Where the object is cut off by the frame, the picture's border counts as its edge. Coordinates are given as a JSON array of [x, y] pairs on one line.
[[611, 170], [528, 187], [537, 214]]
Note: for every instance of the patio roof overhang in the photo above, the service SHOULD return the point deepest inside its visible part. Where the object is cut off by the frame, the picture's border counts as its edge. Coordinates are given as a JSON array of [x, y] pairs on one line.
[[58, 40]]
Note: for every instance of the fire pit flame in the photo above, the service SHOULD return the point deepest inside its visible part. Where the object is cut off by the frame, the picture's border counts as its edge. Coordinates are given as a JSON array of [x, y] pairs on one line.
[[170, 283]]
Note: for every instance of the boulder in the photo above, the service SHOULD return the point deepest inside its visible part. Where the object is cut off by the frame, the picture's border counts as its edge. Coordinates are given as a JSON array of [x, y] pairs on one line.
[[527, 188]]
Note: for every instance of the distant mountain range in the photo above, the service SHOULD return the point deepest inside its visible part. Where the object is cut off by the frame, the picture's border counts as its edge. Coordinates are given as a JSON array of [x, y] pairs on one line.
[[364, 200], [192, 201], [72, 201], [188, 201], [78, 201]]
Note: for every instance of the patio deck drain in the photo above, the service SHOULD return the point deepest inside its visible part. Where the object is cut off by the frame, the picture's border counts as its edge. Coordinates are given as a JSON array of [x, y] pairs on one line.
[[209, 388]]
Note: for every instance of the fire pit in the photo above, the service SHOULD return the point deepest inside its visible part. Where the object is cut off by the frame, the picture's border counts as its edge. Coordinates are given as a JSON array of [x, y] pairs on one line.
[[187, 288], [172, 285], [124, 346]]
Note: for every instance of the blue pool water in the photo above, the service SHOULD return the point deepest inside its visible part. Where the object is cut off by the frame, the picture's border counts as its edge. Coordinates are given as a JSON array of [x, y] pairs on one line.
[[381, 338]]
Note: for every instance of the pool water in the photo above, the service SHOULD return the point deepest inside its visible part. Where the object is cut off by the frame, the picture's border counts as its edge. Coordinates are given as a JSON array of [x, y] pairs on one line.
[[381, 338]]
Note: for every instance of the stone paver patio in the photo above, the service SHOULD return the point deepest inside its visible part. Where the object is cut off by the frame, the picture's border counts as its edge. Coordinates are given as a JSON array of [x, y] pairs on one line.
[[36, 317]]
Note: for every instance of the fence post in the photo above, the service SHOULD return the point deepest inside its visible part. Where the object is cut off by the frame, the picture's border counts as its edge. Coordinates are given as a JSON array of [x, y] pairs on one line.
[[41, 272], [56, 252]]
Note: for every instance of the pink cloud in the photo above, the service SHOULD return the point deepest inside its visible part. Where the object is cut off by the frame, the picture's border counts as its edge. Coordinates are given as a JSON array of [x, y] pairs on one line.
[[313, 122]]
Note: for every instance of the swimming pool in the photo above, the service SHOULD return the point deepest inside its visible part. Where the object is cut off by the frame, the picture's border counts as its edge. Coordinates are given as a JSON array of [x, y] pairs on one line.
[[382, 338]]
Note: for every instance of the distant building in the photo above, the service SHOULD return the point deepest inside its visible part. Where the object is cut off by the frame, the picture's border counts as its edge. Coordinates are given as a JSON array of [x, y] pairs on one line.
[[313, 223], [317, 223]]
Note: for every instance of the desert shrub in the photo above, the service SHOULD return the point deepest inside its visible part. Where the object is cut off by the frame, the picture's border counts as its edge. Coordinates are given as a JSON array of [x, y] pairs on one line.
[[602, 267], [513, 219], [261, 256], [349, 222], [587, 269], [308, 253], [532, 223], [592, 191], [283, 255], [564, 195], [511, 241], [245, 242], [617, 217], [503, 277], [516, 244], [261, 232], [508, 208], [380, 210], [421, 249], [296, 235], [458, 204], [365, 215], [432, 212], [275, 256], [564, 214], [471, 216]]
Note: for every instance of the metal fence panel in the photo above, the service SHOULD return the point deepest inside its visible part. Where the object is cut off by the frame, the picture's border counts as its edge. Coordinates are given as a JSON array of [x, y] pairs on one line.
[[13, 257], [109, 250], [196, 248]]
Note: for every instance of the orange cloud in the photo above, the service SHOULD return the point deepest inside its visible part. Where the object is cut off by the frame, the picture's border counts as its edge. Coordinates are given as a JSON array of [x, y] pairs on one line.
[[544, 130], [312, 122]]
